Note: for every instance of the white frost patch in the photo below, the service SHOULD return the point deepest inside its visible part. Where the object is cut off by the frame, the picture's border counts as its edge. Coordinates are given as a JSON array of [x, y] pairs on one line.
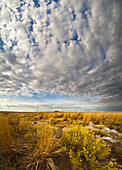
[[90, 125], [114, 131], [109, 139], [106, 129], [112, 134]]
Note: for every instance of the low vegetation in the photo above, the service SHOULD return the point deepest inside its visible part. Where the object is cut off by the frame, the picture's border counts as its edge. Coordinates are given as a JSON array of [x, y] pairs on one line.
[[59, 140], [85, 151], [47, 147]]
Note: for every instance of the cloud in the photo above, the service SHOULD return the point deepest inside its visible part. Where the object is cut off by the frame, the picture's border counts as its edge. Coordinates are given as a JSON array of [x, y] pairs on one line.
[[9, 105], [15, 105], [67, 47]]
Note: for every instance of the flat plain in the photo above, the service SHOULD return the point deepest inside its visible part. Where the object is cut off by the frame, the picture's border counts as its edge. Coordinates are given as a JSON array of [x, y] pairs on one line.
[[61, 140]]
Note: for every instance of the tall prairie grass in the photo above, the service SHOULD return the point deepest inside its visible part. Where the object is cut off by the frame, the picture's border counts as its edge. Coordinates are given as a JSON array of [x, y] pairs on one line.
[[48, 146], [98, 117], [6, 133]]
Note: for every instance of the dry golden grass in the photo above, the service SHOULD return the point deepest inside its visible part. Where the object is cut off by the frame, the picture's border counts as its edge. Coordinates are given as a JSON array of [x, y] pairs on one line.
[[31, 139], [48, 146], [86, 118], [95, 117], [6, 133]]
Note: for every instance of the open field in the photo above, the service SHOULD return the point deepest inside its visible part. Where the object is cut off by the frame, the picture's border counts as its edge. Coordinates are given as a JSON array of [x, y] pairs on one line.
[[61, 140]]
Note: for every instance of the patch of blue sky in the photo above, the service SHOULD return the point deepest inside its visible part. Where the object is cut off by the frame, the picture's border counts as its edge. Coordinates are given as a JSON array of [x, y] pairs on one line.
[[92, 66], [37, 4], [14, 43], [59, 45], [41, 97], [67, 43], [95, 97], [57, 1], [22, 3], [83, 10], [47, 96], [75, 36], [74, 15], [1, 45], [7, 96], [20, 15], [103, 53], [31, 26], [48, 2], [48, 11], [20, 98], [86, 97]]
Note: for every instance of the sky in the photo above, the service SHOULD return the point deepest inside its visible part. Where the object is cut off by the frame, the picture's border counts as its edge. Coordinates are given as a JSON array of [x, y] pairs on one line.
[[60, 55]]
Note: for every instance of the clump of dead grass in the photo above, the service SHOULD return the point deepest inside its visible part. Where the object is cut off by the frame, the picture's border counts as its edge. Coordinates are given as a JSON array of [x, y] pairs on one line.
[[48, 147]]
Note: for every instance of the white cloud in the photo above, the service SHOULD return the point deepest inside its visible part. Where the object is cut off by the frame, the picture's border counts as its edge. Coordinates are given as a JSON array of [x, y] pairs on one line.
[[73, 48]]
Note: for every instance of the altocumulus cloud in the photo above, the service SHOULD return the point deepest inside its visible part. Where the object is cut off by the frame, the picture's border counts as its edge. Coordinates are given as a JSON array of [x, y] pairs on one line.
[[67, 46]]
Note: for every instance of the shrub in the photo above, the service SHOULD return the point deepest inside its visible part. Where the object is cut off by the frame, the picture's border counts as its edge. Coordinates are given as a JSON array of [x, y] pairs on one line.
[[99, 132], [84, 150], [74, 116], [41, 117], [60, 115], [35, 118], [120, 138], [119, 150], [111, 125], [52, 121]]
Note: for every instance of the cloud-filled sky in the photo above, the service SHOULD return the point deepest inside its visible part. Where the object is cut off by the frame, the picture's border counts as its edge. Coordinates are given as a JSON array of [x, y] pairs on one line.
[[60, 54]]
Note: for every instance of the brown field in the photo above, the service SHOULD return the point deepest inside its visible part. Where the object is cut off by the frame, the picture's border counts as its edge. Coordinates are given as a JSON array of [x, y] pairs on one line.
[[55, 140]]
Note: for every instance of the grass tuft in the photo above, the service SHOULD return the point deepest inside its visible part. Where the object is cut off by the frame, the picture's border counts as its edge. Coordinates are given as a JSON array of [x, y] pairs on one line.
[[6, 133], [48, 147]]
